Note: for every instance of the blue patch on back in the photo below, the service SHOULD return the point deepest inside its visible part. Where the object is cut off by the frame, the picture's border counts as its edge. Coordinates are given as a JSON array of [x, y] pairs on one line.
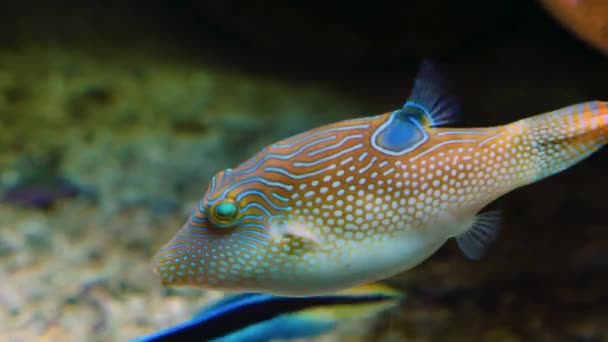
[[400, 134], [428, 106]]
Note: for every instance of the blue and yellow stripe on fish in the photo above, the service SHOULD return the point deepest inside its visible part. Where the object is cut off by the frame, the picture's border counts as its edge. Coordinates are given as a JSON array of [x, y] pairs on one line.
[[364, 199], [254, 317]]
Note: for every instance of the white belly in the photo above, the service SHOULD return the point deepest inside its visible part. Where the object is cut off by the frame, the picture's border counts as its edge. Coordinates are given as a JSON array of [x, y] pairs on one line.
[[357, 262]]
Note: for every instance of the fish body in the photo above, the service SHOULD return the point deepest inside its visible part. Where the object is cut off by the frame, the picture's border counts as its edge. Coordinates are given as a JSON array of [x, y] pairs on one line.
[[364, 199], [254, 317]]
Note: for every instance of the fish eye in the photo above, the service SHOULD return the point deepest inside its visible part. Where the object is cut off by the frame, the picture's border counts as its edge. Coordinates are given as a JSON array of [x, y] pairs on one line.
[[226, 210], [224, 213]]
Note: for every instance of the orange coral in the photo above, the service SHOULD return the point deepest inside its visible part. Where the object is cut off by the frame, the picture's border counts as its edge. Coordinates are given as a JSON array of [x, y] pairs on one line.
[[588, 19]]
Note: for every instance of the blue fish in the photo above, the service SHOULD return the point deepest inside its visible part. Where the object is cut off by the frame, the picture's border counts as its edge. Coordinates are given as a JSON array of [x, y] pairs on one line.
[[257, 317]]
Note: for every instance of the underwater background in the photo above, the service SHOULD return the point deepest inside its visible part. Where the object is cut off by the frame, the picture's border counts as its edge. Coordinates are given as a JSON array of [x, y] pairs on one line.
[[115, 114]]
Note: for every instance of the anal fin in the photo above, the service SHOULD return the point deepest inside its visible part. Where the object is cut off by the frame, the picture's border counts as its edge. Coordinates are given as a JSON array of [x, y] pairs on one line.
[[474, 242]]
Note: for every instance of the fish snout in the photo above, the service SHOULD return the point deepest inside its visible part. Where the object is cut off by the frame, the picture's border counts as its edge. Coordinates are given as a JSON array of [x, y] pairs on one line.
[[168, 262], [182, 260]]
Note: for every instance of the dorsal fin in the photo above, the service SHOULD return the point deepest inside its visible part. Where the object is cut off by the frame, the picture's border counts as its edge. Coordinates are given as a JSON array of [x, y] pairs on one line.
[[429, 101]]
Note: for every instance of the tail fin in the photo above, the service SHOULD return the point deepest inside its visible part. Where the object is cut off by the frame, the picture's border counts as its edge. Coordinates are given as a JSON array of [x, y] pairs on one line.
[[560, 139]]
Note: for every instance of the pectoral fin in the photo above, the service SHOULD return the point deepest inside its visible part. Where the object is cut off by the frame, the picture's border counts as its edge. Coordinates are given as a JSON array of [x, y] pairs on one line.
[[474, 242]]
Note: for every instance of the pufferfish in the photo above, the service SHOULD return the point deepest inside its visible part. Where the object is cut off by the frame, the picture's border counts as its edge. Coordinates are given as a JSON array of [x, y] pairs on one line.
[[364, 199]]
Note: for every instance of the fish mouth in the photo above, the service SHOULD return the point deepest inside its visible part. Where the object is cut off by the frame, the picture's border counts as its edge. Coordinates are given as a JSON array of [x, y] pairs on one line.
[[161, 264], [154, 266]]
